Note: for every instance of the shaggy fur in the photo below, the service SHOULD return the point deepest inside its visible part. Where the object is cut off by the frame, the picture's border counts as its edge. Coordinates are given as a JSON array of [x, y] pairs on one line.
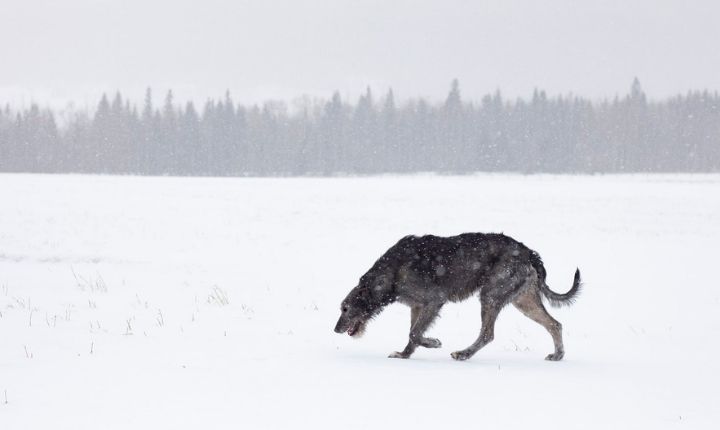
[[426, 272]]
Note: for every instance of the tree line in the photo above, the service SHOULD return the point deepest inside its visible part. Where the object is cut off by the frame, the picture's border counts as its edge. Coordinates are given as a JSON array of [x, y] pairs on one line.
[[371, 135]]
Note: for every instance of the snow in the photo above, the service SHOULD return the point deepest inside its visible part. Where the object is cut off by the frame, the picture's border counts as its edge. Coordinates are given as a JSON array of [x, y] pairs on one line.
[[186, 303]]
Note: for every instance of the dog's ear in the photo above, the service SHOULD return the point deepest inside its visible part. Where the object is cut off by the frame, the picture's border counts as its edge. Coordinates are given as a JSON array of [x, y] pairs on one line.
[[382, 285], [364, 294]]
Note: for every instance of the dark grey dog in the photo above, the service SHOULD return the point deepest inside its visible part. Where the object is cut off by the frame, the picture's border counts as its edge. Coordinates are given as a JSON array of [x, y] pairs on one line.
[[426, 272]]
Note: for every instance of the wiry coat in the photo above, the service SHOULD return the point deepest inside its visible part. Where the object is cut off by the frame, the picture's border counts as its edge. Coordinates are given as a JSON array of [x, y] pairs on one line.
[[426, 272]]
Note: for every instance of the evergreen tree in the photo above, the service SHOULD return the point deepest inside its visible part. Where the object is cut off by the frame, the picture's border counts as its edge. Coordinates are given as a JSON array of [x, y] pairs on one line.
[[543, 134]]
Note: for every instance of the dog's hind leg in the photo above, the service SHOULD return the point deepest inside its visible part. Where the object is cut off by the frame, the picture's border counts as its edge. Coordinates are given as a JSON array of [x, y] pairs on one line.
[[489, 315], [423, 317], [530, 304]]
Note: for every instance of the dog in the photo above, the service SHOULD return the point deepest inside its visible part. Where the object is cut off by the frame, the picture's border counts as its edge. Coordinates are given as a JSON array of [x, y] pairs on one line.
[[426, 272]]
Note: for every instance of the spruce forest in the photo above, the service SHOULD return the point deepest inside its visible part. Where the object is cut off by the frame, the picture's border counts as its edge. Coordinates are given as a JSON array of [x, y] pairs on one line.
[[374, 134]]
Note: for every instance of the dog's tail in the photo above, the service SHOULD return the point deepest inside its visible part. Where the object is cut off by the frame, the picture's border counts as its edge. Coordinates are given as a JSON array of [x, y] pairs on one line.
[[555, 299]]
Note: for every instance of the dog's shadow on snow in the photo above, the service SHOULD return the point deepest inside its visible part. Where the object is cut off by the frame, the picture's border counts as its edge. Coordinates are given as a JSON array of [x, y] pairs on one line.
[[498, 363]]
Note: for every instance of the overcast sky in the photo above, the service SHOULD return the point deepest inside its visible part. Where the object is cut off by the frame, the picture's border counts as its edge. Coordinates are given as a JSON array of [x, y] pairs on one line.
[[55, 51]]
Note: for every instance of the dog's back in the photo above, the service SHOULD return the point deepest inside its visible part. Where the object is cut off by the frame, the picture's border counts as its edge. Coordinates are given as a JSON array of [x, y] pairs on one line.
[[455, 266]]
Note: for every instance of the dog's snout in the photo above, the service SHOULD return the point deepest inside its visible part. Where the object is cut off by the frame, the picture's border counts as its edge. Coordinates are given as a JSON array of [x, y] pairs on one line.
[[339, 327]]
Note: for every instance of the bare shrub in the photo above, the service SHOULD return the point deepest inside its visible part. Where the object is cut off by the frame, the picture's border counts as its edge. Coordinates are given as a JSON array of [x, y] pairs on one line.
[[218, 297]]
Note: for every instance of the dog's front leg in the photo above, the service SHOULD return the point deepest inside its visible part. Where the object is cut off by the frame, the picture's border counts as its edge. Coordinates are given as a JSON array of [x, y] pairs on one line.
[[423, 317]]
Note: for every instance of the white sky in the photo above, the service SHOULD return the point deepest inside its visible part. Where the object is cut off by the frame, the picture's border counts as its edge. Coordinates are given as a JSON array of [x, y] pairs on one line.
[[54, 51]]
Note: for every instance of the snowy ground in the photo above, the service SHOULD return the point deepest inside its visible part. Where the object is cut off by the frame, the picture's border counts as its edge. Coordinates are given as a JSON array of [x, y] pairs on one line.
[[170, 303]]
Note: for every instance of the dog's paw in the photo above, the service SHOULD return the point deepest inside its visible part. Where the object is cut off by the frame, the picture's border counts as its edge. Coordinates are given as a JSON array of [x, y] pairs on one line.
[[398, 355], [431, 342], [461, 355], [557, 356]]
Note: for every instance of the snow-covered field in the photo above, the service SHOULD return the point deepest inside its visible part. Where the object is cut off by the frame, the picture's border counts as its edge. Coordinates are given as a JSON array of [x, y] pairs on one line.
[[186, 303]]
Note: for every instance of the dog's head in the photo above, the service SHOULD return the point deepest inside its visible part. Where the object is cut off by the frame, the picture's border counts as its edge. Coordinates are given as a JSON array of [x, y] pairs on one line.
[[354, 312], [362, 304]]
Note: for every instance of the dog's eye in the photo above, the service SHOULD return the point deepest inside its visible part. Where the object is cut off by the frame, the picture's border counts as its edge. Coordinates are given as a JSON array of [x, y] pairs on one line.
[[344, 309]]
